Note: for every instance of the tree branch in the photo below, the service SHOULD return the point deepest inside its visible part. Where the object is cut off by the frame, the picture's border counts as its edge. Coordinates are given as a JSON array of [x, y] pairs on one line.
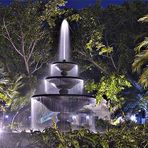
[[32, 49], [113, 62], [37, 67], [10, 39], [23, 51], [93, 62]]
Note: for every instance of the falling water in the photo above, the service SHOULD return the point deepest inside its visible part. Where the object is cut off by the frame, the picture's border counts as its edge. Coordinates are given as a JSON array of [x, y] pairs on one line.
[[78, 89], [64, 41], [38, 112], [46, 85], [33, 113]]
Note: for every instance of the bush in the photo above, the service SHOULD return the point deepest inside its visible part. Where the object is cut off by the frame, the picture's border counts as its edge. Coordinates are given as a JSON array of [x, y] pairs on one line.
[[124, 136]]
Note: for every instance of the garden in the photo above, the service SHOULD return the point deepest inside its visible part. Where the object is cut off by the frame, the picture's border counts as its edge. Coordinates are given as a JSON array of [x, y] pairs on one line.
[[110, 48]]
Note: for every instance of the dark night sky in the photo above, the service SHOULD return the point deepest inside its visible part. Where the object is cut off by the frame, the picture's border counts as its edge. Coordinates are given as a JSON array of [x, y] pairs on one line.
[[83, 3], [78, 4]]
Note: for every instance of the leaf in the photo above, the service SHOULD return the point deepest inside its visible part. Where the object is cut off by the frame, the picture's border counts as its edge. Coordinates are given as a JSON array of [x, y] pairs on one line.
[[104, 144], [142, 44], [144, 19], [144, 78], [75, 143], [105, 50]]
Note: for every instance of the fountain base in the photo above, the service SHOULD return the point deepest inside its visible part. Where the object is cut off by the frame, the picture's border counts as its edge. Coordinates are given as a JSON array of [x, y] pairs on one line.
[[64, 102]]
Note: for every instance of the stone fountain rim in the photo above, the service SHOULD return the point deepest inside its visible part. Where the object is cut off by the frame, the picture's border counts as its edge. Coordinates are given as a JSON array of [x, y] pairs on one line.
[[72, 77], [70, 95], [61, 62]]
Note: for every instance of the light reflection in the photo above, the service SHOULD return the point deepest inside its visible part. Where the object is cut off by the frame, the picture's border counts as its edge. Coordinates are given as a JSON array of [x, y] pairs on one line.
[[6, 116], [87, 117], [133, 118]]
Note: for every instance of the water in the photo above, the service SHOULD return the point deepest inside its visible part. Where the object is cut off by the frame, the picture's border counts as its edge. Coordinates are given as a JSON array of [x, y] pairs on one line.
[[46, 85], [64, 42], [37, 109], [77, 89], [33, 113], [54, 71], [40, 114]]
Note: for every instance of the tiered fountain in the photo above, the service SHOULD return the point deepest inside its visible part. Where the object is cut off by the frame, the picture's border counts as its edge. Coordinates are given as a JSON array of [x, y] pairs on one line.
[[64, 89]]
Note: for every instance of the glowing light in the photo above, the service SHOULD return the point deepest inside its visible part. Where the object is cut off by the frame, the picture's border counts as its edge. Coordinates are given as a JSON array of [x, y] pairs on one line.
[[74, 117], [6, 116], [133, 118], [87, 117], [53, 85], [57, 68], [1, 130]]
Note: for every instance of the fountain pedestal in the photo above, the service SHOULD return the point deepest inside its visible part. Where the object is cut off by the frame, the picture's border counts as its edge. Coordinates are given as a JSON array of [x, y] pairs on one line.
[[63, 123]]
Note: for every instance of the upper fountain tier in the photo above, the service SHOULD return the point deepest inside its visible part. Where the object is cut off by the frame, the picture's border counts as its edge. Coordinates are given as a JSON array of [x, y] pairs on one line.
[[64, 68]]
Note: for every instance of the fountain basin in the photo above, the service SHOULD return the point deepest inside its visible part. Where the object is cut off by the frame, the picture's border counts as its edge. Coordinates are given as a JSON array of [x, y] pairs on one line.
[[61, 82], [64, 66], [64, 103]]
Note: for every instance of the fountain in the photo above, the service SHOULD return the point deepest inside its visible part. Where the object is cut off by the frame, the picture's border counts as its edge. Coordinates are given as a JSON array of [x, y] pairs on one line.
[[64, 89]]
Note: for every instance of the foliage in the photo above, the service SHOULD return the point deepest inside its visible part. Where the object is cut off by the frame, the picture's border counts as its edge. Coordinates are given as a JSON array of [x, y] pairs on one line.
[[110, 87], [107, 36], [126, 135], [141, 59], [122, 31], [105, 46], [52, 10], [144, 19], [4, 97], [88, 45], [22, 33], [9, 89], [26, 36]]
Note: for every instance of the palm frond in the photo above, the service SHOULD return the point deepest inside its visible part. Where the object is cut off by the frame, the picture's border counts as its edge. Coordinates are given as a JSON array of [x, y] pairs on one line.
[[140, 60], [144, 78], [142, 44], [144, 19]]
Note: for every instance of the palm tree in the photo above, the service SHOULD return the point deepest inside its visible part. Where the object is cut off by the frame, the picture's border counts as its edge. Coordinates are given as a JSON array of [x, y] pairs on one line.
[[4, 81], [8, 89], [140, 63]]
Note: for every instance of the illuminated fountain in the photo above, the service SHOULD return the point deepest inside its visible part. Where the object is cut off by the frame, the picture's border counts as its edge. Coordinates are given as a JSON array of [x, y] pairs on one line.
[[63, 92]]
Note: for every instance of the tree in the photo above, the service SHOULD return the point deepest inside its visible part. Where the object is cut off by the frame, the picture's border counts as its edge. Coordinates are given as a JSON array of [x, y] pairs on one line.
[[4, 95], [9, 89], [88, 44], [141, 59], [26, 45], [110, 87], [22, 30], [106, 41], [113, 30], [25, 34]]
